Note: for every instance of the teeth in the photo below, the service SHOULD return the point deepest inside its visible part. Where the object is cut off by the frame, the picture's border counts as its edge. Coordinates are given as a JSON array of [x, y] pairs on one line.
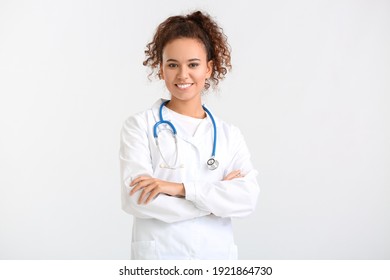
[[182, 86]]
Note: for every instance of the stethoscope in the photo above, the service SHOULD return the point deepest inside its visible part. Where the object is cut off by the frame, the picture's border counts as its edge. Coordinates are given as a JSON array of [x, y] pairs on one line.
[[212, 163]]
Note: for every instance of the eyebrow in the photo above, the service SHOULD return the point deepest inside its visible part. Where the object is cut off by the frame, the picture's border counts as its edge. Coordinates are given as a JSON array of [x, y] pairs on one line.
[[190, 60]]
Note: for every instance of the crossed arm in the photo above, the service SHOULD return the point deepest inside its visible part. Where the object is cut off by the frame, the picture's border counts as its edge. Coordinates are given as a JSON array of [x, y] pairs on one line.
[[151, 187], [234, 196]]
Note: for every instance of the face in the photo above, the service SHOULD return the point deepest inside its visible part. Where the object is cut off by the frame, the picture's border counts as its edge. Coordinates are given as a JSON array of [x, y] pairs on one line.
[[185, 68]]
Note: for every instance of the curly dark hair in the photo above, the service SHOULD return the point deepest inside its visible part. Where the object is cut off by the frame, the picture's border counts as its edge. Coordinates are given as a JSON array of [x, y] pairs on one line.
[[196, 25]]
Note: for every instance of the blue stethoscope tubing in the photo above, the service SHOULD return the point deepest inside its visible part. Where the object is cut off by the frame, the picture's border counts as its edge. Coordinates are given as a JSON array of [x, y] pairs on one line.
[[212, 163]]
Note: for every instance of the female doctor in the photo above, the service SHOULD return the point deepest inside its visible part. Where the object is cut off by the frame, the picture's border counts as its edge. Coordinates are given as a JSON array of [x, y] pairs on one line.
[[184, 172]]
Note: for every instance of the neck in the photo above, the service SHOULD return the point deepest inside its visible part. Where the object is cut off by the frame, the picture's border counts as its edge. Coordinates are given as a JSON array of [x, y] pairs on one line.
[[191, 108]]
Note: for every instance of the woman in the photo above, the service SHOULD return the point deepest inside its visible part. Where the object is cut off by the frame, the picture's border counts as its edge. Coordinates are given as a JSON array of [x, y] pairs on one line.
[[184, 172]]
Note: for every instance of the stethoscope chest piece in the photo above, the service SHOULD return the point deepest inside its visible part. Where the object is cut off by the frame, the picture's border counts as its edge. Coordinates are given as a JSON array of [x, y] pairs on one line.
[[212, 164]]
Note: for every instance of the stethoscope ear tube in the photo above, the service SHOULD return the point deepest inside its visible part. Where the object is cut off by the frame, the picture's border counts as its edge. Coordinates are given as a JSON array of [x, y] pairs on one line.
[[161, 122]]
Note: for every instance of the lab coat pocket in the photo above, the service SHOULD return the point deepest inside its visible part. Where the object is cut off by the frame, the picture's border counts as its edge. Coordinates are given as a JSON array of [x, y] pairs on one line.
[[143, 250]]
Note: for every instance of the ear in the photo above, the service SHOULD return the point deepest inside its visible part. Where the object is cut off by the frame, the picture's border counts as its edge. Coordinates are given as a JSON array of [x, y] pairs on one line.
[[161, 72], [210, 65]]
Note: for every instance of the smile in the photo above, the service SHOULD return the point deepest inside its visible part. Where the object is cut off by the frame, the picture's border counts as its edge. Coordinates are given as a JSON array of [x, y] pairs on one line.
[[183, 86]]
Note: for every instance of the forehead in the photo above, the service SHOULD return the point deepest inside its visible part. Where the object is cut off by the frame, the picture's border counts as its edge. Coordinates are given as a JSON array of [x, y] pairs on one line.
[[184, 49]]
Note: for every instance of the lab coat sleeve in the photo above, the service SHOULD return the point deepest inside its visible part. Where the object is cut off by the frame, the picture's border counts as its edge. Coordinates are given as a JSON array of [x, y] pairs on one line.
[[232, 198], [135, 160]]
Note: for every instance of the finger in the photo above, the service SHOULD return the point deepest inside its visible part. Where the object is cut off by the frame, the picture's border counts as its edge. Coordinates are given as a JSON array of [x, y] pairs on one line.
[[235, 172], [146, 181], [138, 179], [146, 191], [135, 181], [140, 185], [232, 175], [136, 188], [152, 195]]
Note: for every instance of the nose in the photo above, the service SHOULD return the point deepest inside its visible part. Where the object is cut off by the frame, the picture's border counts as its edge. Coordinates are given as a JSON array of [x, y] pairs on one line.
[[183, 73]]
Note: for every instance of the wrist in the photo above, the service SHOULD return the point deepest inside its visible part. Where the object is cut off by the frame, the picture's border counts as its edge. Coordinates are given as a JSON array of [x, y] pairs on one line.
[[182, 190]]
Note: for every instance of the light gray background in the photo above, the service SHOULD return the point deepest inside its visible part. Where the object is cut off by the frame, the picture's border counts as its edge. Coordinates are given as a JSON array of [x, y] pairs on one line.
[[309, 90]]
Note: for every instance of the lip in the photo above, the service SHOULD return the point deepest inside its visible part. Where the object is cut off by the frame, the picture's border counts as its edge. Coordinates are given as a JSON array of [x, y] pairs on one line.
[[184, 86]]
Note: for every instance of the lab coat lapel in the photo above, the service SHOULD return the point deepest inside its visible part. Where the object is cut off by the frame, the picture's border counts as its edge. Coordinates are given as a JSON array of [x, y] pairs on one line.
[[156, 109]]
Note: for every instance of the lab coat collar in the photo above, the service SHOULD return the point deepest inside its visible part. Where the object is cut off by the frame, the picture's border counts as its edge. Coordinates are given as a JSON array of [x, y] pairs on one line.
[[156, 108], [201, 130]]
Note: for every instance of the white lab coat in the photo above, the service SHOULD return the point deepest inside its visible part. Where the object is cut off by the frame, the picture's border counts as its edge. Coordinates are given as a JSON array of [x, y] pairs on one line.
[[199, 225]]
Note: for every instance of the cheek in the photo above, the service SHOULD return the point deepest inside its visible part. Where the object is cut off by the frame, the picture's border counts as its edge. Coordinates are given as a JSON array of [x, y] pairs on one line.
[[201, 76], [168, 73], [165, 72]]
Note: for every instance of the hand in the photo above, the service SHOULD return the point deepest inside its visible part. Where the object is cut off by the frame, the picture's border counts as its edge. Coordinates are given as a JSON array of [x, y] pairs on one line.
[[151, 187], [233, 175]]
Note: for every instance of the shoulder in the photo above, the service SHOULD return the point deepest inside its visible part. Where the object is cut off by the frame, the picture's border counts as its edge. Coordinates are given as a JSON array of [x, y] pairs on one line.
[[138, 120], [227, 129], [224, 129], [142, 118]]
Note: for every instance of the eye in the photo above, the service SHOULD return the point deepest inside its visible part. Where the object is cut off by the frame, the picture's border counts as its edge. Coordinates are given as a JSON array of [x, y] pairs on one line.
[[172, 65], [194, 65]]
